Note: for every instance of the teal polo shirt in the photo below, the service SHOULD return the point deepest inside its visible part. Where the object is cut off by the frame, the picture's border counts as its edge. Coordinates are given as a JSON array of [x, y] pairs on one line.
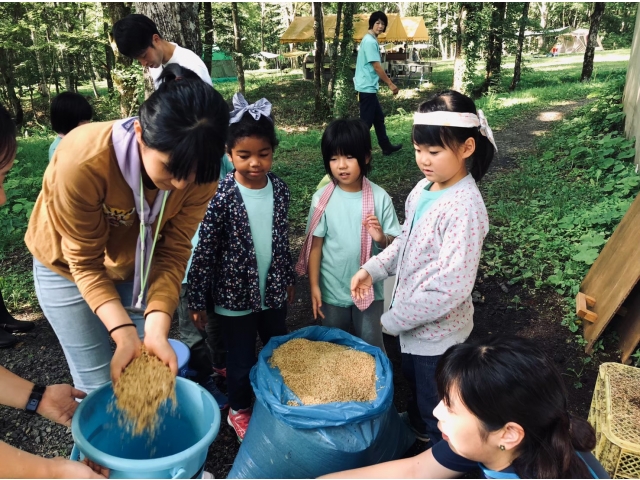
[[366, 79]]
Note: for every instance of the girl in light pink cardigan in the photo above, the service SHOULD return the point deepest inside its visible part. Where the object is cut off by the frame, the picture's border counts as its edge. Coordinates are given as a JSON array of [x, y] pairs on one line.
[[435, 258]]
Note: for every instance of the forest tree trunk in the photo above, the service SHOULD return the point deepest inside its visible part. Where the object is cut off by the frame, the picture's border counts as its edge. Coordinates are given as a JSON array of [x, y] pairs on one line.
[[121, 80], [42, 87], [459, 61], [494, 47], [544, 14], [237, 46], [7, 70], [345, 95], [207, 46], [443, 50], [592, 41], [318, 61], [108, 58], [177, 22], [334, 56], [517, 68]]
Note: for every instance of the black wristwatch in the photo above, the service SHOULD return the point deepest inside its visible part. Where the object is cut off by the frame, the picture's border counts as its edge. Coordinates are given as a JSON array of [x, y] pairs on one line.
[[34, 399]]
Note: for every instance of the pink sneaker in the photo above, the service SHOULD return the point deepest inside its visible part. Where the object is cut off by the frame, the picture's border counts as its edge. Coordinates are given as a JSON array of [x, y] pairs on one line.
[[220, 372], [239, 421]]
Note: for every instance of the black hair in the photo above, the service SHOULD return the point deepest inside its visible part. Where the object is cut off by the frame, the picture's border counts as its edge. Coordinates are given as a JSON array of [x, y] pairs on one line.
[[347, 137], [248, 126], [378, 15], [68, 109], [134, 34], [188, 119], [8, 143], [452, 137], [509, 379]]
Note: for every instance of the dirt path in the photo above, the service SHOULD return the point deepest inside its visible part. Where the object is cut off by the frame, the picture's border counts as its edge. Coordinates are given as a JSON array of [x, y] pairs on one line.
[[520, 137], [39, 356]]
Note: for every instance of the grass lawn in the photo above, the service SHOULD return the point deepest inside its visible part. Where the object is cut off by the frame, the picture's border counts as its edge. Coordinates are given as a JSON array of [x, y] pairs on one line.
[[545, 82]]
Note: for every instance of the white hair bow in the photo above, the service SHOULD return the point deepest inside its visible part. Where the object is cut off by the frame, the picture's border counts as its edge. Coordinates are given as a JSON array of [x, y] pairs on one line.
[[240, 107]]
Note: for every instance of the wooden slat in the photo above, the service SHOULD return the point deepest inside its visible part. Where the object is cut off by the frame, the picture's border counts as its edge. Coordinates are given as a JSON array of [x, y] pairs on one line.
[[582, 310], [614, 273], [629, 326]]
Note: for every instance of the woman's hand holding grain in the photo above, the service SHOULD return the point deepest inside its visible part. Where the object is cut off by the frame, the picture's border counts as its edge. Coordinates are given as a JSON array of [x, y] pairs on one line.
[[156, 334], [360, 284], [127, 348]]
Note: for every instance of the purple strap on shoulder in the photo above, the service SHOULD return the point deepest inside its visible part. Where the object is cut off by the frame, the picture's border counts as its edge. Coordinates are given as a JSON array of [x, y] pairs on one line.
[[127, 153]]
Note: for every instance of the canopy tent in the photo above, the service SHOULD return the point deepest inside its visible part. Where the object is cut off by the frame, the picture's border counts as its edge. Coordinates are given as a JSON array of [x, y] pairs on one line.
[[294, 54], [415, 28], [223, 69], [576, 41], [395, 30], [301, 29]]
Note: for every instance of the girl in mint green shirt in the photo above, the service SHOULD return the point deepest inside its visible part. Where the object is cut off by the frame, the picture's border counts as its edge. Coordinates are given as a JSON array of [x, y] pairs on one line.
[[337, 234]]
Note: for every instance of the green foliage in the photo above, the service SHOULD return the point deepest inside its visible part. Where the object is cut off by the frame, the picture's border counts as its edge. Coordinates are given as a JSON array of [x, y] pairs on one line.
[[22, 186], [552, 215]]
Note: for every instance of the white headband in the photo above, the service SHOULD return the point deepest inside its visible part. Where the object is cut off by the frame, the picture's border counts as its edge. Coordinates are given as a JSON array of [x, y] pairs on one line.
[[455, 119]]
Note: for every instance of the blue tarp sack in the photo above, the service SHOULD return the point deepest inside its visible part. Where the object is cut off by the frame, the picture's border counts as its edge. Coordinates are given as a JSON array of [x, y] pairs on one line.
[[285, 441]]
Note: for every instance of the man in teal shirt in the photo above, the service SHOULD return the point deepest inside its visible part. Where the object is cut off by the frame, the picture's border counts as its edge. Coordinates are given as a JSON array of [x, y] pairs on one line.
[[369, 72]]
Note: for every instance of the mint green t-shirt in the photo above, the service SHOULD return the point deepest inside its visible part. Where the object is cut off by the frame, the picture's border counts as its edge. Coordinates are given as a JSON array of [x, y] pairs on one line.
[[53, 146], [340, 226], [225, 167], [366, 79], [426, 200], [259, 205]]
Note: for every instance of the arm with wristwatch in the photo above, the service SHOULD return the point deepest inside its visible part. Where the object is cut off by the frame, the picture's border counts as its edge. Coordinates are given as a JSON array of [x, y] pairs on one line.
[[55, 402]]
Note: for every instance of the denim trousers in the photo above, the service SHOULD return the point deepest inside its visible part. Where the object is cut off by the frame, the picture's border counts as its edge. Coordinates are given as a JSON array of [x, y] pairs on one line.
[[366, 324], [84, 338], [420, 372], [240, 339], [371, 113]]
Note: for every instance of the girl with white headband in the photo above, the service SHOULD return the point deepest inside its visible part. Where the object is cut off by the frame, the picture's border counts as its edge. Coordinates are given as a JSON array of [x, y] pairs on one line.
[[435, 258]]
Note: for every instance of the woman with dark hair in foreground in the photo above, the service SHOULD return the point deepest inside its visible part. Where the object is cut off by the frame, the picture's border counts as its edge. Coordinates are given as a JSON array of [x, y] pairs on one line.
[[503, 409], [111, 230]]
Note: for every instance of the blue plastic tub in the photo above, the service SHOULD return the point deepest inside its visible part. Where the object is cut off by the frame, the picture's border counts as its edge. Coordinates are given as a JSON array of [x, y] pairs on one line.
[[184, 354], [178, 450]]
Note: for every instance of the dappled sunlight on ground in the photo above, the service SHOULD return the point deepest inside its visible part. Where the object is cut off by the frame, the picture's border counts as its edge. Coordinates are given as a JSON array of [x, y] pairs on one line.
[[294, 129], [509, 102], [562, 103], [550, 116]]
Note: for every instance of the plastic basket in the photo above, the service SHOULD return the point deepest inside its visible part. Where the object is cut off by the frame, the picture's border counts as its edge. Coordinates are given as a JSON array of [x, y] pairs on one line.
[[615, 416]]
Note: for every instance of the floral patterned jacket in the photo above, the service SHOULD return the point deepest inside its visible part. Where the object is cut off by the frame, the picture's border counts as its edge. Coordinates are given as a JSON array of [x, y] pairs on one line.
[[225, 258]]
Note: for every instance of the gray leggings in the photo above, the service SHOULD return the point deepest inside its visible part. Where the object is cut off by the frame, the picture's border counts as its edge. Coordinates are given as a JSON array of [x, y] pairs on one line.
[[366, 325]]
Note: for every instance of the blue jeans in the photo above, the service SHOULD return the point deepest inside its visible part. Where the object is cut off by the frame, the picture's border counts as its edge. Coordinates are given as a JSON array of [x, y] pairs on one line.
[[82, 335], [420, 372]]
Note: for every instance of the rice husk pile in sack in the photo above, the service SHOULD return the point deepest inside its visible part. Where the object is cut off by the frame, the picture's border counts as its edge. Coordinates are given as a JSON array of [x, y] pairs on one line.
[[324, 372]]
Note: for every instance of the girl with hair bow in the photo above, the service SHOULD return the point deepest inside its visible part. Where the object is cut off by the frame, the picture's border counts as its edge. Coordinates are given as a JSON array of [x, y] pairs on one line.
[[435, 258], [243, 260]]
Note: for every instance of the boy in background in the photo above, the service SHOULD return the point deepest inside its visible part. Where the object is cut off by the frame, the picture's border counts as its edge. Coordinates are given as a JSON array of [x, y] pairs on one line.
[[68, 110]]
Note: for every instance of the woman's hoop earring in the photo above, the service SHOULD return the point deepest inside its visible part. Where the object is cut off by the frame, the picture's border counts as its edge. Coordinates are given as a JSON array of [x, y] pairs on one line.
[[502, 448]]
